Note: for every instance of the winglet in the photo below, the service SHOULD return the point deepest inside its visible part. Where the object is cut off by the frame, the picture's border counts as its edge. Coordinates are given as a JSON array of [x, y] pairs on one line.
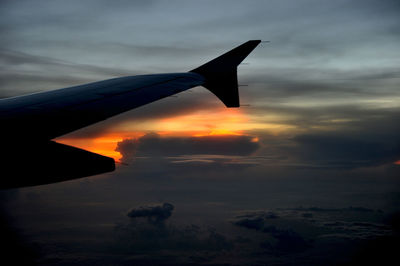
[[221, 73]]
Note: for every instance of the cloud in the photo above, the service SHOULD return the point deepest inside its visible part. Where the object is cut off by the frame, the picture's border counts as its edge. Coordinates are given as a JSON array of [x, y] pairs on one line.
[[322, 210], [154, 243], [303, 228], [155, 214], [153, 234], [335, 137], [345, 151], [256, 220], [251, 223], [287, 240], [154, 145]]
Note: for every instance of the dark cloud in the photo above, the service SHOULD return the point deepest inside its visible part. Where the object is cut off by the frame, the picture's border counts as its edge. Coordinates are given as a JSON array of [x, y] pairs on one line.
[[338, 137], [286, 240], [306, 228], [251, 223], [195, 245], [348, 209], [345, 151], [154, 145], [370, 225], [156, 214]]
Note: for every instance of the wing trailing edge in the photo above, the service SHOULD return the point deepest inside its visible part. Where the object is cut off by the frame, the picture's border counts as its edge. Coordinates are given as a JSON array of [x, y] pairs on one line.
[[50, 162], [221, 73]]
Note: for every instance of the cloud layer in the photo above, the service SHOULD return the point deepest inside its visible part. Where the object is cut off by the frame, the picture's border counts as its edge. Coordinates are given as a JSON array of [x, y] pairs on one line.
[[154, 145], [156, 214]]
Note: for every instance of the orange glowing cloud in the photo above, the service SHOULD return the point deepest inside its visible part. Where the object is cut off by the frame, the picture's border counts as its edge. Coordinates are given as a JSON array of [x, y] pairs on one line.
[[216, 122], [224, 121]]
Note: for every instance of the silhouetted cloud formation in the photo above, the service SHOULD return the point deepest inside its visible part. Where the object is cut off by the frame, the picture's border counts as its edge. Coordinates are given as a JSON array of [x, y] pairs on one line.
[[302, 228], [251, 223], [156, 214], [287, 239], [348, 209], [154, 145], [196, 245]]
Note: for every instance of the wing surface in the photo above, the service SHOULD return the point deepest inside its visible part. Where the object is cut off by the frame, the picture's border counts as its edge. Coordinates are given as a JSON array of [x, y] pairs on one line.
[[29, 123], [48, 115]]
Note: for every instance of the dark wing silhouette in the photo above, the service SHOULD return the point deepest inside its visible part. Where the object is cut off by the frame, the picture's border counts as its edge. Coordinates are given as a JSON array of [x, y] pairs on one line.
[[30, 122]]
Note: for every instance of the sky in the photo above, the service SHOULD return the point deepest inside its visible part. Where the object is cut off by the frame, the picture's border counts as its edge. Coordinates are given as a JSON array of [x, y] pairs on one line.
[[305, 172]]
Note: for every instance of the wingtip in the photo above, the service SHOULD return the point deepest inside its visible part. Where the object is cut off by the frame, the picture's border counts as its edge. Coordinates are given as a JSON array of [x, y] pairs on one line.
[[221, 73], [253, 42]]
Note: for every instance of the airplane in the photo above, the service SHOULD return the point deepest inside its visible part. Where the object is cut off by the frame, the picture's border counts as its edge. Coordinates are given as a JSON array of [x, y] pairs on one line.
[[29, 123]]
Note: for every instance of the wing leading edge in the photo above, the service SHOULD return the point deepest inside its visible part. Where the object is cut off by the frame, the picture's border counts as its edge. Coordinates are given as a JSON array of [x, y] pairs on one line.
[[47, 115]]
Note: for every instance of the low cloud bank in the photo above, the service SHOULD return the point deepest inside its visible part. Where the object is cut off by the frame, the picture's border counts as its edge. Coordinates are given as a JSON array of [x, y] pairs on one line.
[[156, 146], [155, 214]]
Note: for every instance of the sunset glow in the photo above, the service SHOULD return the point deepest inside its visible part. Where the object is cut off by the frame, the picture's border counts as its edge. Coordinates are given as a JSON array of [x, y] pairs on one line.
[[220, 122], [202, 122], [104, 145]]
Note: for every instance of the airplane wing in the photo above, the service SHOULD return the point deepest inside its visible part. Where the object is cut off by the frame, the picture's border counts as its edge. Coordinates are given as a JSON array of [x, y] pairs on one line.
[[30, 122]]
